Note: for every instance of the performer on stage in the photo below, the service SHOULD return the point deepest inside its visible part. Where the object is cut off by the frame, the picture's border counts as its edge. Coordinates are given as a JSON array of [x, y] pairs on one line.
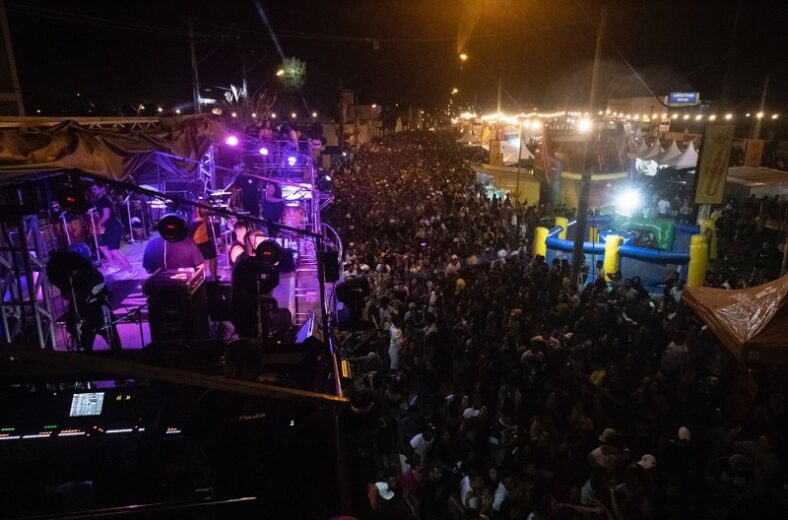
[[111, 230], [247, 193], [241, 246], [203, 235], [273, 207]]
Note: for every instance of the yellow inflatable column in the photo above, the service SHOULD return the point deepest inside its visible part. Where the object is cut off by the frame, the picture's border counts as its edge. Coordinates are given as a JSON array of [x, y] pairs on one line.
[[611, 263], [540, 241], [593, 234], [708, 228], [564, 223], [699, 259]]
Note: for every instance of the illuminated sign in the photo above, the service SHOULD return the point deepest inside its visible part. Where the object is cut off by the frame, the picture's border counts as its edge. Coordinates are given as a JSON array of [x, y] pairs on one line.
[[684, 98]]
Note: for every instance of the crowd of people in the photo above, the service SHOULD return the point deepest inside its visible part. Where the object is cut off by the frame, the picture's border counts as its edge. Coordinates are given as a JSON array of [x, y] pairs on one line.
[[493, 386]]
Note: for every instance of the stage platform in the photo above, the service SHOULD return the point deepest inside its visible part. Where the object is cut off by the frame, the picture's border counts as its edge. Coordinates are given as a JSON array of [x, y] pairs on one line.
[[297, 291]]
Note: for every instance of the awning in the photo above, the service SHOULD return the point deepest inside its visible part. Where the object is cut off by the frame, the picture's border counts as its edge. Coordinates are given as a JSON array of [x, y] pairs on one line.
[[751, 323]]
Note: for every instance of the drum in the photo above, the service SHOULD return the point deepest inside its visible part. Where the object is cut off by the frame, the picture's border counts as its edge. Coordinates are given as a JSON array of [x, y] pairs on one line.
[[294, 216]]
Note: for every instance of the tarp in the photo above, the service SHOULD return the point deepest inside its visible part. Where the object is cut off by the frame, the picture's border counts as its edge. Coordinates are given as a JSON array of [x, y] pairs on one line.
[[110, 153], [751, 323]]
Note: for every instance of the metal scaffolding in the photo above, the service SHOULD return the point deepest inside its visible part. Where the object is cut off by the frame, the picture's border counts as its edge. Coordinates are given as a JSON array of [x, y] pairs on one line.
[[27, 306]]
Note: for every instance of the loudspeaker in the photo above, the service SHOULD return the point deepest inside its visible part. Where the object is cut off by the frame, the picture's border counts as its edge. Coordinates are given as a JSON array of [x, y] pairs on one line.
[[220, 300], [296, 361], [330, 261], [176, 315]]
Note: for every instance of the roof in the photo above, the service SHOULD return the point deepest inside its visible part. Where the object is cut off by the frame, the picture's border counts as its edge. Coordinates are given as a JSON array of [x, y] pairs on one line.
[[752, 177]]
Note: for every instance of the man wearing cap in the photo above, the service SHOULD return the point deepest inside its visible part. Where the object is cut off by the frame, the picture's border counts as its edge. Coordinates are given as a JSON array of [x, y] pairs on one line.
[[607, 456]]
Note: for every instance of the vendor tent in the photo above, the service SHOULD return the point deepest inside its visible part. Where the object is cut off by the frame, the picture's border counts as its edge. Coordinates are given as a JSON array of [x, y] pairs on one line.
[[112, 153], [688, 159], [751, 323], [654, 152], [670, 154]]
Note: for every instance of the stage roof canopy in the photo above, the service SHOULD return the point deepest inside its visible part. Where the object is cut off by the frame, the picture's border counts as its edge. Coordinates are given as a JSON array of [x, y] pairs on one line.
[[26, 152]]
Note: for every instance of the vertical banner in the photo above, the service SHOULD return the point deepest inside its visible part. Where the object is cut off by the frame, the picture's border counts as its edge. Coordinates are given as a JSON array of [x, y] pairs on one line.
[[712, 171], [753, 153]]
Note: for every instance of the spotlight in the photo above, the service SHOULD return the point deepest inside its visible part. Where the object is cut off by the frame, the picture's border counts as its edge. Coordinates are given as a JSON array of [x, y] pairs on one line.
[[584, 125], [177, 110], [628, 201], [314, 114], [263, 151], [231, 140], [291, 161], [172, 228]]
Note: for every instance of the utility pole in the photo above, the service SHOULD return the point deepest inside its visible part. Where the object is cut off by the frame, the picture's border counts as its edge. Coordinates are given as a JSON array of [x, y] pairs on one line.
[[500, 88], [756, 131], [195, 74], [585, 179]]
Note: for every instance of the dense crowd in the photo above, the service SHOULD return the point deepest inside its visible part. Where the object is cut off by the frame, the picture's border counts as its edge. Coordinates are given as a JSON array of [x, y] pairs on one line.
[[494, 387]]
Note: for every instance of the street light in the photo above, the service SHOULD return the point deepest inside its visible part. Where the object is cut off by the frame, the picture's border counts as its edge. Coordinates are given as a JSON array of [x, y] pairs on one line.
[[463, 57], [280, 72], [455, 90]]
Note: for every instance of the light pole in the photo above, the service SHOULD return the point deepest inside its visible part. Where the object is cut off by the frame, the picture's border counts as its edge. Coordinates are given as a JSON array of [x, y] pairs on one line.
[[495, 77]]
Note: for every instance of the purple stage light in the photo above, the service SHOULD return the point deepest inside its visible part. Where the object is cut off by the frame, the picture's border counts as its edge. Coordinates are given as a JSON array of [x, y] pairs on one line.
[[263, 151], [231, 140], [291, 161]]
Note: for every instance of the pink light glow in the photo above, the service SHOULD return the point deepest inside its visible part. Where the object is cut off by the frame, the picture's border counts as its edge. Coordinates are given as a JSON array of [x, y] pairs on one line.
[[231, 140], [263, 151]]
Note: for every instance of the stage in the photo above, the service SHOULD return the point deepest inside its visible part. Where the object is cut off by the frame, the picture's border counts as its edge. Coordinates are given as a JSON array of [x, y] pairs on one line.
[[297, 291]]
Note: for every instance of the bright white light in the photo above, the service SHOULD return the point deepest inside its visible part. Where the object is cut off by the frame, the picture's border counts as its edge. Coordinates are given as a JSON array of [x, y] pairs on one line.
[[628, 201], [675, 116], [374, 105], [747, 114], [159, 109], [263, 151], [712, 117], [273, 115], [686, 116], [254, 114], [280, 72], [234, 114], [291, 161], [293, 115], [728, 117], [344, 154], [775, 116], [759, 115], [231, 140], [698, 117], [584, 125], [314, 114], [177, 110]]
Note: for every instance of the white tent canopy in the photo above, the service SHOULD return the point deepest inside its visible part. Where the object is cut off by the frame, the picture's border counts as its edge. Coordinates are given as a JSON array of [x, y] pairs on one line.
[[671, 154], [654, 152], [688, 159]]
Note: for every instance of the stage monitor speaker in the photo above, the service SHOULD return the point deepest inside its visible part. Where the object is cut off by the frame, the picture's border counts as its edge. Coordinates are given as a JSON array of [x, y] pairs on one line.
[[330, 261], [176, 315], [295, 361], [220, 300]]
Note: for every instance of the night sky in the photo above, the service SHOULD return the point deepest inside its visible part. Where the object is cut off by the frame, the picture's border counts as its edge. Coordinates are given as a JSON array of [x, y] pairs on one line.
[[118, 54]]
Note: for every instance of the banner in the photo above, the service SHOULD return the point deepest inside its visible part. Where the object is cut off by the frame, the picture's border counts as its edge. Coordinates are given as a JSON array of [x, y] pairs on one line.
[[754, 153], [712, 172]]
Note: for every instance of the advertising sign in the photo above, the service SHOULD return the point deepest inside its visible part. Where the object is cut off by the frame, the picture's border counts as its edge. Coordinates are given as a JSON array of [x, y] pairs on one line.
[[753, 153], [683, 98], [712, 171]]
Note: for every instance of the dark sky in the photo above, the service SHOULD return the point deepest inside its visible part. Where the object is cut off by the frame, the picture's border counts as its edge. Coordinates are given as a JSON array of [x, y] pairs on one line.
[[119, 54]]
